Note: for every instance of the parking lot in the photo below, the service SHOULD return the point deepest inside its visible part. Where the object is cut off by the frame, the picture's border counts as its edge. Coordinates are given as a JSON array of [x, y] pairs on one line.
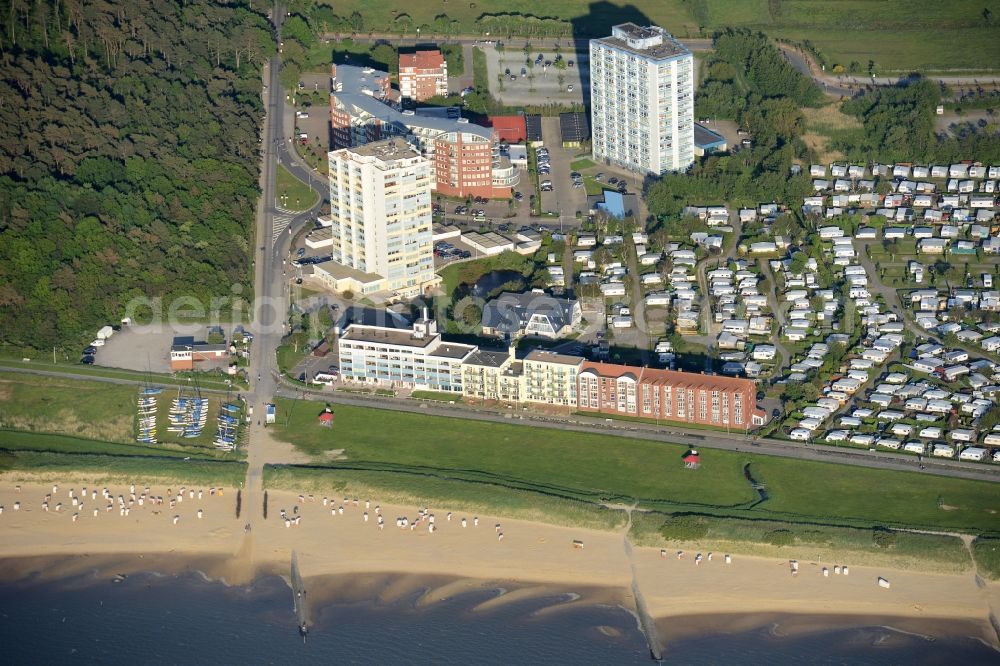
[[563, 199], [537, 83], [147, 348]]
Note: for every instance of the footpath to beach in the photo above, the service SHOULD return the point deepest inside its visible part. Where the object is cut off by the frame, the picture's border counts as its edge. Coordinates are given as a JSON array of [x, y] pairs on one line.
[[334, 536]]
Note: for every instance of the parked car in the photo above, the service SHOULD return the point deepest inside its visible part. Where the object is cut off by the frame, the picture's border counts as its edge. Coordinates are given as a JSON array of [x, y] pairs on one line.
[[90, 351], [87, 360], [569, 88], [301, 252]]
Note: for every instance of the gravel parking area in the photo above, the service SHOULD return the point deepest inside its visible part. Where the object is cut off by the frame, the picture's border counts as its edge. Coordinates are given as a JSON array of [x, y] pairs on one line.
[[147, 348], [540, 84]]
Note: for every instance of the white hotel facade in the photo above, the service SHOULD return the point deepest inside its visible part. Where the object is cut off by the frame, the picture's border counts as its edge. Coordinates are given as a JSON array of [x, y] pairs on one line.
[[642, 100]]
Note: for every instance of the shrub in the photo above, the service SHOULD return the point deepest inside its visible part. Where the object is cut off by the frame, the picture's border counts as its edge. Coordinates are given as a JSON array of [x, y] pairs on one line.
[[685, 528], [883, 538], [780, 537]]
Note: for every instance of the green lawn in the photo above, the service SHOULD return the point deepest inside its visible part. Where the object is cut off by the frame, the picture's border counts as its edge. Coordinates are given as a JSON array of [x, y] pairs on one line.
[[900, 36], [13, 440], [438, 396], [800, 488], [568, 464], [205, 380], [581, 164], [95, 410], [292, 193], [597, 468], [480, 75], [468, 272]]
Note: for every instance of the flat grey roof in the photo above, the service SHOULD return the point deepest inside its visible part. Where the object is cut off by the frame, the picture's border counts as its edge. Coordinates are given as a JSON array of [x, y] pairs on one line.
[[452, 350], [668, 48], [392, 148], [490, 359], [553, 357], [389, 336], [357, 86]]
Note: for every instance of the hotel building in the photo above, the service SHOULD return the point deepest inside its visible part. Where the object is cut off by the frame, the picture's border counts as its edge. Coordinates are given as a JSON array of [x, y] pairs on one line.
[[380, 209], [642, 100]]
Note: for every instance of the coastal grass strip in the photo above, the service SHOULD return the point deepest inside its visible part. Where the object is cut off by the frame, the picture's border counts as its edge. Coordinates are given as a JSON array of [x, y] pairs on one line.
[[114, 468], [773, 538], [987, 555], [457, 495]]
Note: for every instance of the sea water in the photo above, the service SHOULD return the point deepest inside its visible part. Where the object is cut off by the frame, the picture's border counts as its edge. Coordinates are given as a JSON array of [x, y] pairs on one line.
[[153, 619]]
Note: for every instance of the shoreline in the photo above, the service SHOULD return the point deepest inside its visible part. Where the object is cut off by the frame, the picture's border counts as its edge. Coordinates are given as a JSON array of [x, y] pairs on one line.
[[416, 591], [530, 560]]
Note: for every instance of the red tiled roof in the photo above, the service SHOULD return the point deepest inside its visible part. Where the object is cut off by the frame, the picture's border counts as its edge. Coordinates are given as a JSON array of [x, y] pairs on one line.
[[672, 377], [421, 60]]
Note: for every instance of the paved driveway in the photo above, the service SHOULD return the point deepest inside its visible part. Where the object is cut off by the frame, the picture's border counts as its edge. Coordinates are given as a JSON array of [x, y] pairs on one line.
[[564, 199]]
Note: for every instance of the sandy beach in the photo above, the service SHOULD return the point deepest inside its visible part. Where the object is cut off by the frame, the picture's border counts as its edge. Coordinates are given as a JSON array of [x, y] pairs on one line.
[[335, 539]]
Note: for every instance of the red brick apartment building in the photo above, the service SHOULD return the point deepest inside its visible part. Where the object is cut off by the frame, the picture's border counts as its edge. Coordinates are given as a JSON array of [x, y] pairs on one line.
[[422, 75], [463, 165], [669, 395], [362, 110]]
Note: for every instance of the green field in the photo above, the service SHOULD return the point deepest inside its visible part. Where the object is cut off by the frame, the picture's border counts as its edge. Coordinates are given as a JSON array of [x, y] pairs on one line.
[[94, 412], [600, 469], [292, 193], [900, 36]]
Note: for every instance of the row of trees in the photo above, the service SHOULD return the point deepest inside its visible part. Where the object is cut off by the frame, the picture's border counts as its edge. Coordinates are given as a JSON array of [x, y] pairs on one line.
[[128, 158]]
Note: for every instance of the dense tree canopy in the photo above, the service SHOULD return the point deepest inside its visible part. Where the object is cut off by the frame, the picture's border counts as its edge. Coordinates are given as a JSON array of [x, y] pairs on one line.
[[128, 157], [748, 81], [899, 126]]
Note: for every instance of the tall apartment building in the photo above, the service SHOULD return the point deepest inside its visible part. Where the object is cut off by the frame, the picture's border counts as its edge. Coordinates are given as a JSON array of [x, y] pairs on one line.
[[422, 75], [642, 100], [467, 162], [668, 395], [380, 209]]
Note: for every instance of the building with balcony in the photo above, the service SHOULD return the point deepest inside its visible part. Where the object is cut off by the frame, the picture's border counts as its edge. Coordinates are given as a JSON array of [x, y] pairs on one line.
[[493, 375], [466, 158], [401, 358], [668, 395], [380, 212], [642, 100], [422, 75], [550, 378]]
